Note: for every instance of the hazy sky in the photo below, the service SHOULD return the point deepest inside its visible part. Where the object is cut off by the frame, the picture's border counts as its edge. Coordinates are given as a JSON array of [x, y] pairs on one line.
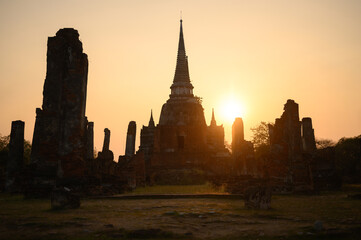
[[259, 53]]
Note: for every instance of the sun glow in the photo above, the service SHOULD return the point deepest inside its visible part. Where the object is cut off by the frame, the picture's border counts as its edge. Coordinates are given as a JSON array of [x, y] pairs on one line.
[[232, 108]]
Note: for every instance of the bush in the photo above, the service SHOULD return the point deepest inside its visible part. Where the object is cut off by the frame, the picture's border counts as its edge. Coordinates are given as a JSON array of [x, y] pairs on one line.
[[348, 159]]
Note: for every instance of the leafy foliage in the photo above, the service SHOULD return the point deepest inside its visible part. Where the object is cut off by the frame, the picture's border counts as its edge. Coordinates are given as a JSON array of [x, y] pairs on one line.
[[4, 150], [4, 143], [199, 99], [27, 151], [260, 135], [348, 158], [261, 139], [228, 146], [324, 143]]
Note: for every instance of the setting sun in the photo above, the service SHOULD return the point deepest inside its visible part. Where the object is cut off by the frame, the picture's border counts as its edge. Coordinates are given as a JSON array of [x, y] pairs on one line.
[[232, 108]]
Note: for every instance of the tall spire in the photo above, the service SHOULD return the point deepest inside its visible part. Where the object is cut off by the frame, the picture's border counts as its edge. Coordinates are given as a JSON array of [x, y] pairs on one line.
[[213, 121], [151, 121], [181, 48], [181, 82]]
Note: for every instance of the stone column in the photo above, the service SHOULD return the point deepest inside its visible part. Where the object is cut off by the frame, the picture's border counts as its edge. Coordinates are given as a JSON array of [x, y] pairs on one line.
[[60, 126], [237, 135], [106, 154], [90, 141], [237, 142], [59, 140], [130, 145], [16, 156], [106, 140], [292, 129], [308, 135]]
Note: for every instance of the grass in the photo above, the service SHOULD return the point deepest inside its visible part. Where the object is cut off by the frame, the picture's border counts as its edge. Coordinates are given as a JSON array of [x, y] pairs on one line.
[[291, 217], [178, 189]]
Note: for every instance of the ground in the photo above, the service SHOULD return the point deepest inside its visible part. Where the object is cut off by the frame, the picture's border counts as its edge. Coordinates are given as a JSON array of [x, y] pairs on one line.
[[328, 215]]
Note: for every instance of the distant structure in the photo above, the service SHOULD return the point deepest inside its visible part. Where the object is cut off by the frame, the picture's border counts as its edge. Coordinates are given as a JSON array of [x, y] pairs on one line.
[[130, 144], [59, 141], [180, 149], [106, 154], [289, 164], [219, 163], [147, 139], [63, 142], [237, 136], [182, 141], [242, 151], [90, 141], [215, 135], [308, 136]]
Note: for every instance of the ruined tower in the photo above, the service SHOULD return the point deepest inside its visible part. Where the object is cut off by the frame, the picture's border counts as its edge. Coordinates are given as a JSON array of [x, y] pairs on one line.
[[90, 141], [16, 156], [215, 135], [286, 131], [59, 141], [288, 161], [106, 141], [242, 150], [147, 138], [308, 136], [106, 154], [130, 144], [237, 136]]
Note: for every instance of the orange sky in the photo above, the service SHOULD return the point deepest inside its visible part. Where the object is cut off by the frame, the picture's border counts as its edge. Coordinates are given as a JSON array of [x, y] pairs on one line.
[[260, 53]]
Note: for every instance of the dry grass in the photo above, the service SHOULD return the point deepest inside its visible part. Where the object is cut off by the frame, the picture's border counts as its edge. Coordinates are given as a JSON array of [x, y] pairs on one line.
[[292, 217], [181, 189]]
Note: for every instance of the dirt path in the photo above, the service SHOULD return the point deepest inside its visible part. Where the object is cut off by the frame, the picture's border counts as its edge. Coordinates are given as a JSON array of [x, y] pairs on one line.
[[198, 218]]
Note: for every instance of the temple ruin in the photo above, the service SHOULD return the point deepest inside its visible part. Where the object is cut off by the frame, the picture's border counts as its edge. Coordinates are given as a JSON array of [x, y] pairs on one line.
[[90, 141], [59, 141], [288, 165], [15, 161], [242, 150], [63, 142], [130, 143], [308, 136], [180, 149], [106, 154], [181, 142]]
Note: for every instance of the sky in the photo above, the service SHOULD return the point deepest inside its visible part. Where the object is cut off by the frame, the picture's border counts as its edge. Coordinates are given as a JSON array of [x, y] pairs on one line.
[[254, 54]]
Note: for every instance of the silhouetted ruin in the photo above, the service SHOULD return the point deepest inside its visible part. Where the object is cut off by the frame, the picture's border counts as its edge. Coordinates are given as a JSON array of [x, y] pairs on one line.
[[308, 136], [106, 154], [215, 135], [180, 149], [59, 141], [15, 160], [63, 142], [90, 141], [219, 162], [242, 150], [147, 139], [288, 167], [130, 144]]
